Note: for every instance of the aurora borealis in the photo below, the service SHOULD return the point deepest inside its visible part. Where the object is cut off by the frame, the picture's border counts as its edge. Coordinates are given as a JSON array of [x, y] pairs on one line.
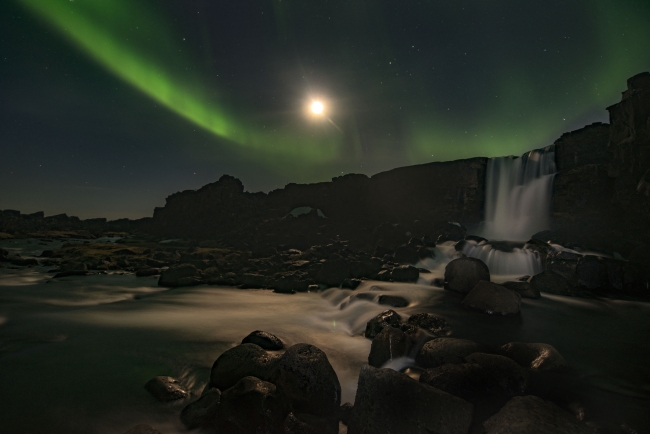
[[109, 106]]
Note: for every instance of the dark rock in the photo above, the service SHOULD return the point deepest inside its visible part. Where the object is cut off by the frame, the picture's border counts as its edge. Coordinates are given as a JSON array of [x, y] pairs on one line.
[[405, 273], [202, 412], [146, 272], [591, 272], [406, 255], [180, 275], [290, 286], [333, 272], [309, 424], [414, 243], [441, 351], [388, 318], [28, 262], [491, 298], [467, 380], [428, 241], [393, 300], [523, 288], [309, 381], [350, 283], [389, 344], [243, 361], [143, 429], [252, 406], [344, 413], [433, 324], [505, 372], [70, 273], [564, 264], [551, 283], [438, 282], [532, 415], [462, 274], [540, 357], [264, 340], [380, 252], [391, 402], [166, 389]]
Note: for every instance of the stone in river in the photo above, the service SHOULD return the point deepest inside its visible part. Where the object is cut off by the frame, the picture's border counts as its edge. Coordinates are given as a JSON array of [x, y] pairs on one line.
[[166, 389], [492, 298], [462, 274], [265, 340]]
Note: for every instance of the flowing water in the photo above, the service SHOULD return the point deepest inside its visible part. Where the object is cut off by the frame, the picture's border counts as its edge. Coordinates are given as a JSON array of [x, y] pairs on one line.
[[76, 352]]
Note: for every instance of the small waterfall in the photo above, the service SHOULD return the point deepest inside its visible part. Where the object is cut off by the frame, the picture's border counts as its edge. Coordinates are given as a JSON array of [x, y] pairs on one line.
[[504, 259], [518, 195]]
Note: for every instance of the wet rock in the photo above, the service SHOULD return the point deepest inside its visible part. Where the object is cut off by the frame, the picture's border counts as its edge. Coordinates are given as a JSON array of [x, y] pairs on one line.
[[252, 406], [504, 372], [166, 389], [309, 424], [380, 252], [390, 402], [180, 275], [143, 429], [146, 272], [433, 324], [333, 272], [591, 272], [202, 412], [441, 351], [462, 274], [405, 273], [428, 241], [290, 285], [350, 283], [344, 413], [532, 415], [406, 255], [564, 264], [523, 288], [537, 356], [388, 318], [551, 283], [264, 340], [491, 298], [242, 361], [309, 381], [467, 380], [70, 273], [21, 262], [389, 344], [393, 300]]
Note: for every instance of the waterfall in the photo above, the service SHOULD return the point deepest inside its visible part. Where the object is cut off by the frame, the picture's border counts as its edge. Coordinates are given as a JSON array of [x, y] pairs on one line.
[[518, 195]]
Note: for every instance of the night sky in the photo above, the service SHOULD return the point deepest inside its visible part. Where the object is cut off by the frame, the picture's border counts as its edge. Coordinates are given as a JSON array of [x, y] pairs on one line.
[[108, 106]]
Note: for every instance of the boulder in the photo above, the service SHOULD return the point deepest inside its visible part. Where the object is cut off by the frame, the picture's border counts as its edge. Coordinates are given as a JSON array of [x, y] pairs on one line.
[[388, 318], [551, 283], [406, 255], [393, 300], [265, 340], [70, 273], [242, 361], [380, 252], [202, 412], [433, 324], [344, 413], [540, 357], [143, 429], [350, 284], [523, 288], [491, 298], [591, 272], [467, 380], [389, 344], [441, 351], [533, 415], [333, 272], [252, 406], [147, 272], [309, 424], [405, 273], [505, 373], [180, 275], [166, 389], [462, 274], [309, 381], [391, 402]]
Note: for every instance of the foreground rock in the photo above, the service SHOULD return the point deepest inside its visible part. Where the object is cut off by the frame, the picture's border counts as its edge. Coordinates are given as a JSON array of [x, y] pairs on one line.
[[166, 389], [524, 289], [532, 415], [491, 298], [309, 381], [391, 402], [462, 274], [539, 357], [243, 361], [265, 340], [503, 372], [430, 323], [143, 429], [388, 318], [441, 351], [465, 381], [309, 424], [202, 412], [389, 344], [252, 406]]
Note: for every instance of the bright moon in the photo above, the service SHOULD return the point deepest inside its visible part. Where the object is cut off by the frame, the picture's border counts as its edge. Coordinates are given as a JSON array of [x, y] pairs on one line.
[[317, 107]]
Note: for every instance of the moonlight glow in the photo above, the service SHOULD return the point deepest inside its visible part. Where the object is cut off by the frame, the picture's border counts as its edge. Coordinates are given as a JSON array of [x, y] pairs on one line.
[[317, 107]]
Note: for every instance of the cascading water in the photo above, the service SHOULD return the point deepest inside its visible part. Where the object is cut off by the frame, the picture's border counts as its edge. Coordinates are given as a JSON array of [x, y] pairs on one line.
[[517, 205], [518, 195]]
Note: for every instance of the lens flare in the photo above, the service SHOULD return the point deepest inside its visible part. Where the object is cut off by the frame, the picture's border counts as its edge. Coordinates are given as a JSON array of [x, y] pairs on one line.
[[317, 107]]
